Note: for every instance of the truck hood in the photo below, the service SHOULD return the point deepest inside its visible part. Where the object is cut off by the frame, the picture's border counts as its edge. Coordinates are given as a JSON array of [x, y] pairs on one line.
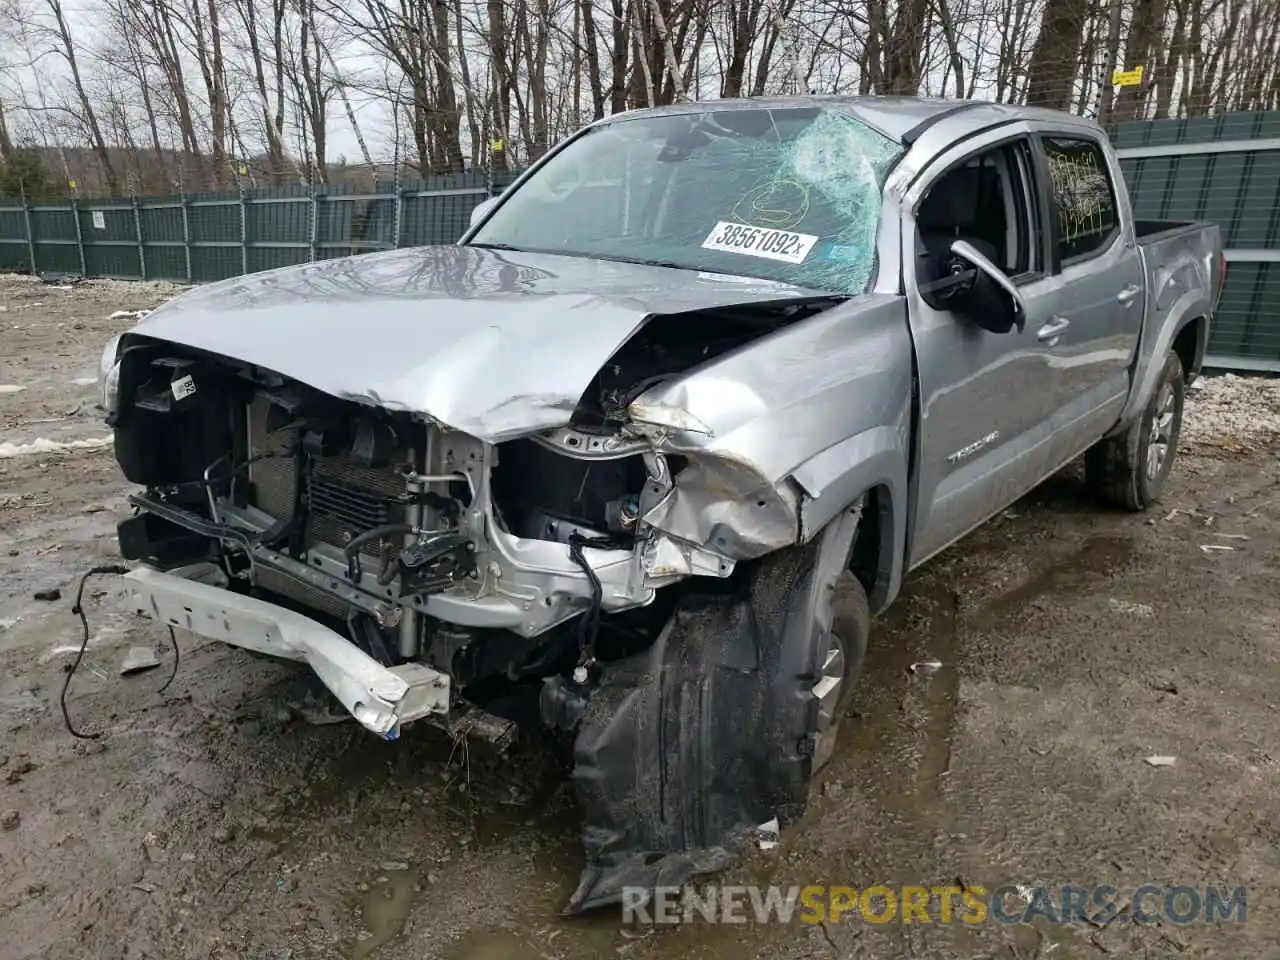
[[493, 343]]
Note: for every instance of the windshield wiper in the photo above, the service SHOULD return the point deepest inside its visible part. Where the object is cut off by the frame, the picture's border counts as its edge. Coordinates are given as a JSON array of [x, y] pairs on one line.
[[496, 246], [648, 263]]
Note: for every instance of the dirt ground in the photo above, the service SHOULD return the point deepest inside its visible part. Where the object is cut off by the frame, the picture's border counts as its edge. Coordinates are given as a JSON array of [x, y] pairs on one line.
[[209, 822]]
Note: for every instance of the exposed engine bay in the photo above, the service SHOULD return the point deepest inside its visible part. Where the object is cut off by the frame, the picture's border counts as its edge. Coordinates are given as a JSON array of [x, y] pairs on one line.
[[427, 574]]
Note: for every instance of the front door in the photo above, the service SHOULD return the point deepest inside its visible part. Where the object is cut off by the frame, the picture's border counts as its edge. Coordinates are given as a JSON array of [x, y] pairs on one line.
[[987, 400]]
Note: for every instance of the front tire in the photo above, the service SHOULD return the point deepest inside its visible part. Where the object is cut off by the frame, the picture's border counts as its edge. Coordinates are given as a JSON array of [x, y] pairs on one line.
[[1130, 470], [842, 665]]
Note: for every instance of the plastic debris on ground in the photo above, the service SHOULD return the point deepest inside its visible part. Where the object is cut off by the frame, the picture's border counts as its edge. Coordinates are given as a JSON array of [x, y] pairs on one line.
[[1159, 761], [768, 834], [139, 659], [1130, 608], [926, 668]]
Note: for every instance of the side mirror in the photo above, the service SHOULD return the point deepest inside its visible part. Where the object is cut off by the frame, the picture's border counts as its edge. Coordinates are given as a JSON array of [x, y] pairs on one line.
[[481, 209], [989, 271]]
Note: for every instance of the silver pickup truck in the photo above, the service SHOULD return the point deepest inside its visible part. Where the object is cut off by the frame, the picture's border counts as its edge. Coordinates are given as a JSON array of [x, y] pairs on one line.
[[640, 457]]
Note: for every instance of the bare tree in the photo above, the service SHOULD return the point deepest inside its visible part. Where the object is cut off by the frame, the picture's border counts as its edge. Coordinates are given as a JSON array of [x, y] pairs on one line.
[[271, 98], [1056, 55], [65, 47], [217, 90]]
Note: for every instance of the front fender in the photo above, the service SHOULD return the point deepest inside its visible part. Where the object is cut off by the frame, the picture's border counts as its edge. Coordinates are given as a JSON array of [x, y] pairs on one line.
[[782, 435], [788, 397], [873, 460]]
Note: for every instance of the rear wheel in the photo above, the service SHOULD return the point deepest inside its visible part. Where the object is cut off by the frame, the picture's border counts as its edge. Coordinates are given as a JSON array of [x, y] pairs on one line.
[[842, 665], [1130, 469]]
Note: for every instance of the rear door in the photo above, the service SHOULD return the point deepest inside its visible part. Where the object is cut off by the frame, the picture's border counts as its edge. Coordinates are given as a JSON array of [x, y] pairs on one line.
[[1095, 301]]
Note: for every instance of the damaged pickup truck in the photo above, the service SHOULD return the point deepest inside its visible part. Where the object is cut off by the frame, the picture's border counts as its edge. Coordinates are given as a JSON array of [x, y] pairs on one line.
[[642, 454]]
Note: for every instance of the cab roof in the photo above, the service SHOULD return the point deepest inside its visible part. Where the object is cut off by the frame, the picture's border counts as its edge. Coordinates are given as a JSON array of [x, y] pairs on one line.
[[901, 119]]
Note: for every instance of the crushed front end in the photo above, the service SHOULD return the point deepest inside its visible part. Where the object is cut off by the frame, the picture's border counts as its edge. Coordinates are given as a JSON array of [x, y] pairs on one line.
[[426, 562]]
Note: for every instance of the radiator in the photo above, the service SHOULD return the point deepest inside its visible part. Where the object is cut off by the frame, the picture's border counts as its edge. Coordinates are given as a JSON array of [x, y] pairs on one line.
[[345, 498]]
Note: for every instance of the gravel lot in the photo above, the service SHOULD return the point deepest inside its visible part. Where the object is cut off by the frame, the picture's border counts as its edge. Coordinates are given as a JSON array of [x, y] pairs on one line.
[[209, 822]]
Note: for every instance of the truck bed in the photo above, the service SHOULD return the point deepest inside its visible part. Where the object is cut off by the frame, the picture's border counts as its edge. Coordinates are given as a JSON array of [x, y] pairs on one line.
[[1184, 270], [1151, 231]]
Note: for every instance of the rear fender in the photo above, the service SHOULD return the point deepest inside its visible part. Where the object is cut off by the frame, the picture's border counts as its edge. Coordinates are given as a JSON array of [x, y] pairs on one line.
[[1191, 306]]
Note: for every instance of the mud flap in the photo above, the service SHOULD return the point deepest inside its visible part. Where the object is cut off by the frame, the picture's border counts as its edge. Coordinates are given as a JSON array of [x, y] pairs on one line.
[[687, 749]]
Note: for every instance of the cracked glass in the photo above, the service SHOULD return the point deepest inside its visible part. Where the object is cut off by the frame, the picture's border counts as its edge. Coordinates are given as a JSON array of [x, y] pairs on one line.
[[786, 194]]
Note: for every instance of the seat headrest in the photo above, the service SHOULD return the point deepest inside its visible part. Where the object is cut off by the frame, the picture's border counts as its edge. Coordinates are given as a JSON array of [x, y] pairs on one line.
[[953, 201]]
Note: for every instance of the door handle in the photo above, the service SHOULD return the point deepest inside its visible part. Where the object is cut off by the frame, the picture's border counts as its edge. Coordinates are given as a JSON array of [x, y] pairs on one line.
[[1053, 329], [1129, 294]]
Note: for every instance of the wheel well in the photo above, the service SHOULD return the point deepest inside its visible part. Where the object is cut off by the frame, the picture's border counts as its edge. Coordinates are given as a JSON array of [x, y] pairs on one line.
[[865, 558], [1186, 345]]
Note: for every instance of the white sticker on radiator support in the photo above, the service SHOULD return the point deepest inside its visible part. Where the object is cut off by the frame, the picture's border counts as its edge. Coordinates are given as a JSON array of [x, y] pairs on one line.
[[759, 242], [183, 387]]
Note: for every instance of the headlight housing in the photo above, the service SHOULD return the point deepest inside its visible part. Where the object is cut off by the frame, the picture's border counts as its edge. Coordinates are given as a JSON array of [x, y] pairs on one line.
[[109, 376]]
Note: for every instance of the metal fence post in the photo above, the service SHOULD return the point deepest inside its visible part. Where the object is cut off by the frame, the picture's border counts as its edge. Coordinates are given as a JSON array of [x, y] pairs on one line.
[[137, 230], [315, 223], [31, 237], [186, 234], [75, 215], [244, 232], [397, 217]]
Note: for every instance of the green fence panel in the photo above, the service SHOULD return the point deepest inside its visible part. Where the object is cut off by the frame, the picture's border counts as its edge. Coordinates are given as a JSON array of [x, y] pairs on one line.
[[216, 263], [53, 229], [267, 257], [109, 233], [278, 220], [1225, 197], [354, 224], [215, 221], [1188, 179], [15, 254], [1248, 320], [1256, 226], [161, 219]]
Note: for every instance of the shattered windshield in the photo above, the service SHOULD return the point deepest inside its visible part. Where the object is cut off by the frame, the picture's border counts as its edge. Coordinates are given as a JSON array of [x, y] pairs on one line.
[[791, 195]]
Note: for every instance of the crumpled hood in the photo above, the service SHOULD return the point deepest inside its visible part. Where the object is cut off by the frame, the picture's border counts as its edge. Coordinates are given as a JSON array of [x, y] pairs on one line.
[[493, 343]]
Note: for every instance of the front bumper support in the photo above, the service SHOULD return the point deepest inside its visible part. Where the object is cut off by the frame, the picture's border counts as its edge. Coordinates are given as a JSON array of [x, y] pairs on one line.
[[380, 698]]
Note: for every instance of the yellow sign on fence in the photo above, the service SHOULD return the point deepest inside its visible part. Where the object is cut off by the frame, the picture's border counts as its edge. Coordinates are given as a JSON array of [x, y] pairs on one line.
[[1127, 78]]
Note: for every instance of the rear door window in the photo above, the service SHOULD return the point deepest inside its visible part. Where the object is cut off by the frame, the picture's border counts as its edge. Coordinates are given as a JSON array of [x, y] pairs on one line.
[[1083, 216]]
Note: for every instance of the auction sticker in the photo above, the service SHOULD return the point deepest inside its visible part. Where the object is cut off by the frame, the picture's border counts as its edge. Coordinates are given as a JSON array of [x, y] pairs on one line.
[[760, 242]]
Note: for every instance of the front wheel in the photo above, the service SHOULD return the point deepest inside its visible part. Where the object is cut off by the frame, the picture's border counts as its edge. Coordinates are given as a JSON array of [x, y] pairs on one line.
[[842, 665], [1130, 469]]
